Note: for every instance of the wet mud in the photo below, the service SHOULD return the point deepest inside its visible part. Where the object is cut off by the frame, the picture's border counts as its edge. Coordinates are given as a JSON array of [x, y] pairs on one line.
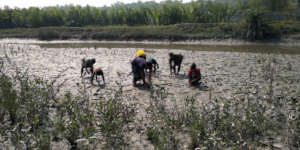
[[226, 75]]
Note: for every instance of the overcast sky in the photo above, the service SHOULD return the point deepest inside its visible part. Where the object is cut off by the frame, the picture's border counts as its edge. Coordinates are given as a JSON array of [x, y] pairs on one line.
[[43, 3]]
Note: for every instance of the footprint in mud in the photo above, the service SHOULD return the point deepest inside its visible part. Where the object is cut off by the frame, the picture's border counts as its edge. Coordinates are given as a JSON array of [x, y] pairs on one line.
[[101, 86], [181, 76], [146, 87], [156, 73], [201, 86], [97, 92]]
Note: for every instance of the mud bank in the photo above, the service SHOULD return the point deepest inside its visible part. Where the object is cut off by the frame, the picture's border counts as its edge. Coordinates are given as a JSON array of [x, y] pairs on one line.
[[226, 74], [294, 41]]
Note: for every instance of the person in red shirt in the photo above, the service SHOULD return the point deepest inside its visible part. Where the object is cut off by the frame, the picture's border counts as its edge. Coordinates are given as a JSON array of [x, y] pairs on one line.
[[194, 75], [97, 72]]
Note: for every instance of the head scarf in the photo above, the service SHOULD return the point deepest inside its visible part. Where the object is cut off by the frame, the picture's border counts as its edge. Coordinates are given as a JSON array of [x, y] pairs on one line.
[[140, 53], [193, 66]]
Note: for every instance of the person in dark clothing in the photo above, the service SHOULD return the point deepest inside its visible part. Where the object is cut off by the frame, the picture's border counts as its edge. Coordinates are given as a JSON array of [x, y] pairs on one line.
[[194, 75], [97, 72], [87, 63], [138, 68], [175, 60], [151, 65]]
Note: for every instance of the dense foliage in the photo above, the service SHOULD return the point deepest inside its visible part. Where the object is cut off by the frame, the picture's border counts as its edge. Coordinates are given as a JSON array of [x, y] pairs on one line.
[[147, 13]]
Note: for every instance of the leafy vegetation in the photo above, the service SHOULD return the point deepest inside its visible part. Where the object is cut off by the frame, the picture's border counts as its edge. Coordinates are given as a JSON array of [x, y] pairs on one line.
[[33, 115], [187, 31], [169, 32], [250, 123], [115, 114], [253, 16]]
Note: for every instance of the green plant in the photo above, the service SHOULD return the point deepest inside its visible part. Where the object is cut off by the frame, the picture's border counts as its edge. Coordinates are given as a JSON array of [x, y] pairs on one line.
[[48, 35], [8, 99], [75, 119], [114, 114], [255, 21]]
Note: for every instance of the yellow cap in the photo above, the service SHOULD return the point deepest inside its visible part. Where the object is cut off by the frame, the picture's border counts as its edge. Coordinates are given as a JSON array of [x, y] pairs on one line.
[[140, 53]]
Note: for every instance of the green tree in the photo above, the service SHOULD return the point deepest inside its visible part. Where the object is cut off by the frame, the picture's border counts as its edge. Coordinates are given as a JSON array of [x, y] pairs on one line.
[[6, 18], [34, 19], [147, 13], [73, 16], [276, 5]]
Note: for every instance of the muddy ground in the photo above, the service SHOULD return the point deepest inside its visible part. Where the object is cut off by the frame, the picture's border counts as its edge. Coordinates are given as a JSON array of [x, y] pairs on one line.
[[225, 74]]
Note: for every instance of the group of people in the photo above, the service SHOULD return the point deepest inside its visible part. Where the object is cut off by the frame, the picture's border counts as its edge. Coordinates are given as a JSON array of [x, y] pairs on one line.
[[140, 66]]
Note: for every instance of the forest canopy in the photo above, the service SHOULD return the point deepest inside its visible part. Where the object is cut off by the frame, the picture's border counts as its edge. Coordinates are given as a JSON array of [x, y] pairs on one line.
[[148, 13]]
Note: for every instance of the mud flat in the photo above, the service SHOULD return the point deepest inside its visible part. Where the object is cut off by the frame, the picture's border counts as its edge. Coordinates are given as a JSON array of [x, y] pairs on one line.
[[225, 73]]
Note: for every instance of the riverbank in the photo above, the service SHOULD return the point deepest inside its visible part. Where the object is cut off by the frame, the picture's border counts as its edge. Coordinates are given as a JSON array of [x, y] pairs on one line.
[[167, 33], [286, 46], [247, 101]]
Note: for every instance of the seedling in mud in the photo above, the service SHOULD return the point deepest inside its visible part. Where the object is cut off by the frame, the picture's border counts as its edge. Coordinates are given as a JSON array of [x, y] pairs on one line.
[[254, 107], [76, 119], [114, 115]]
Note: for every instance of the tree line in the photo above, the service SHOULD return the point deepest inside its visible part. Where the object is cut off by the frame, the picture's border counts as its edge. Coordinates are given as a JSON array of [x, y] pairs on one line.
[[144, 13]]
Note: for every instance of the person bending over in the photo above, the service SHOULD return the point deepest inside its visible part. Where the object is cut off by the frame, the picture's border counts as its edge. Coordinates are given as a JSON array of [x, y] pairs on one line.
[[97, 72], [138, 68], [151, 65], [194, 75]]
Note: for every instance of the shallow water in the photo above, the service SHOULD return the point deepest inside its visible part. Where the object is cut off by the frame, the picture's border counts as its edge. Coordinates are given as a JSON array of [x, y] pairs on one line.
[[247, 48]]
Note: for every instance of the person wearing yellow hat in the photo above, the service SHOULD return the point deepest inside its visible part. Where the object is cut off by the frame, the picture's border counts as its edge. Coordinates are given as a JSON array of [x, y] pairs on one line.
[[138, 67], [140, 53]]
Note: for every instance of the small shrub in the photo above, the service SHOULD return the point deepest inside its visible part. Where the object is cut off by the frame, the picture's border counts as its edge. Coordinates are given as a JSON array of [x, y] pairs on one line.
[[75, 119], [8, 99], [255, 21], [114, 114], [105, 35], [46, 34], [65, 36]]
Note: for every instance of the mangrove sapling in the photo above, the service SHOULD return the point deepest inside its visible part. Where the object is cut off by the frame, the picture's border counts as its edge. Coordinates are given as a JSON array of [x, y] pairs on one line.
[[29, 109], [291, 123], [164, 126], [76, 119], [36, 99], [227, 125], [8, 98], [113, 115], [163, 137]]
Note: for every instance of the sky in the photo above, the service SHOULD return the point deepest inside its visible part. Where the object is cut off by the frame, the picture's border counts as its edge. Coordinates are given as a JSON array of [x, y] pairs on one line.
[[44, 3]]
